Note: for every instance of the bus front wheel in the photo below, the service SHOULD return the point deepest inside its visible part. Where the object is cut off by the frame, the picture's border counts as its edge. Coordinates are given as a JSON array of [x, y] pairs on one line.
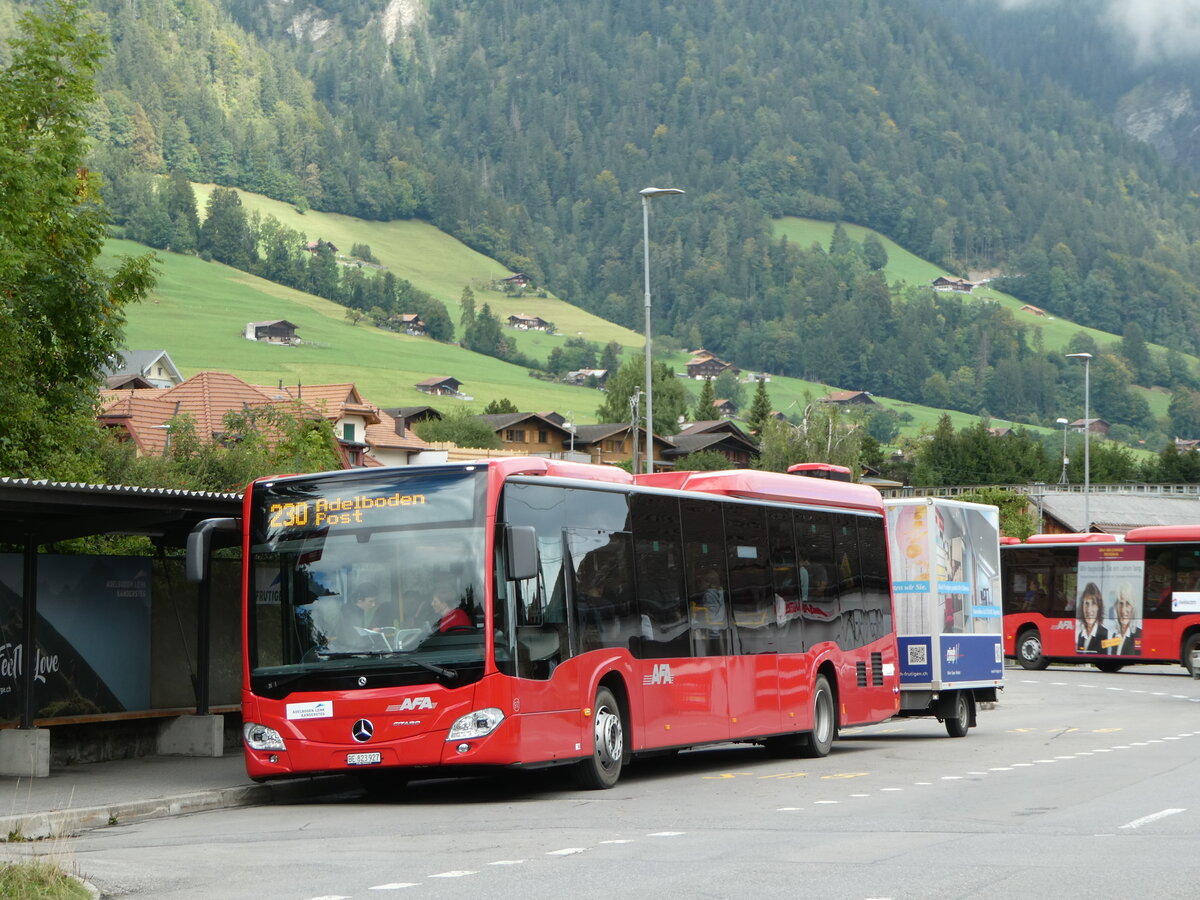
[[1029, 650], [601, 770], [819, 741]]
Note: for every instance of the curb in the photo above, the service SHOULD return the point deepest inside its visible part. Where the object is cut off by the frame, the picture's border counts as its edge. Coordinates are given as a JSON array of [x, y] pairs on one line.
[[67, 822]]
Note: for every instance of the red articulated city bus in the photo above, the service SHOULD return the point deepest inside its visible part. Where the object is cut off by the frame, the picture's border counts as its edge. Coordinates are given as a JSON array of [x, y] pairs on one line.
[[1103, 599], [528, 612]]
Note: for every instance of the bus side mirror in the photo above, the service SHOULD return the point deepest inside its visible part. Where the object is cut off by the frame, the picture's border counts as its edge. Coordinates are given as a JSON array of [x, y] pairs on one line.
[[199, 547], [521, 550]]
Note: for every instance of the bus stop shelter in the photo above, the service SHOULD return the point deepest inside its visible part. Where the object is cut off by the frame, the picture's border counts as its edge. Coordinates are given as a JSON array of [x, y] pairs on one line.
[[60, 661]]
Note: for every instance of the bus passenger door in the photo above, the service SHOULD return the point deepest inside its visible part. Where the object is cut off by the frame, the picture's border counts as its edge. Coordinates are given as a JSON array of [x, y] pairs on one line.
[[532, 645]]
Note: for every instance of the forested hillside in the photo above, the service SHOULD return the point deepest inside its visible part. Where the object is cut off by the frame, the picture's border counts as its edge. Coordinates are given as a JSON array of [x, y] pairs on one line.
[[526, 129]]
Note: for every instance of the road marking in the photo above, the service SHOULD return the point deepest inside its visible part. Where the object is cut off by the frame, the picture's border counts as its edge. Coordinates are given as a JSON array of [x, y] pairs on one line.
[[1002, 769], [951, 778], [893, 789], [507, 862], [666, 834], [845, 775], [454, 873], [395, 885], [566, 851], [828, 802], [789, 809], [618, 841], [1153, 817]]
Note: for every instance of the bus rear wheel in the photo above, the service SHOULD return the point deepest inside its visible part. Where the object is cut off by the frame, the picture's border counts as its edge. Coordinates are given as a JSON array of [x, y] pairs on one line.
[[1029, 650], [601, 770], [1109, 665], [819, 741], [1190, 646]]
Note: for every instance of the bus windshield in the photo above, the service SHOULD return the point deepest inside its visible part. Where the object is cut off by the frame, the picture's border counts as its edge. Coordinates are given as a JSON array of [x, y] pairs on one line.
[[380, 571]]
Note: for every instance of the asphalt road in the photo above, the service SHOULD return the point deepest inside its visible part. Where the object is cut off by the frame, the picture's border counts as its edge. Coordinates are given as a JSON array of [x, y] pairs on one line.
[[1078, 784]]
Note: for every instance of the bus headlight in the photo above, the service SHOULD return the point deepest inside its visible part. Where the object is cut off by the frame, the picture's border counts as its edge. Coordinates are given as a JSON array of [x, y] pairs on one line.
[[477, 724], [260, 737]]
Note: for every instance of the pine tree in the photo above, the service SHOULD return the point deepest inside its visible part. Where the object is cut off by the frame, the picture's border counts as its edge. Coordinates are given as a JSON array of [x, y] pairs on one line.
[[760, 408], [704, 405]]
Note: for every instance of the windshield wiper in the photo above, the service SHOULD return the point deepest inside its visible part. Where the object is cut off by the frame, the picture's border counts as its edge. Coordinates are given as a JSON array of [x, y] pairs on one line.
[[406, 655]]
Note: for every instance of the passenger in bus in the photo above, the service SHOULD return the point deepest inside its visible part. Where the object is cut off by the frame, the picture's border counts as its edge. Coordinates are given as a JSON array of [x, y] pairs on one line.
[[361, 614], [1090, 634], [450, 618], [1127, 637], [708, 614]]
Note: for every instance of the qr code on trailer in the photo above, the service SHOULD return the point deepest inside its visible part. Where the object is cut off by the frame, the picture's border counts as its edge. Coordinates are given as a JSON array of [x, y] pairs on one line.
[[918, 654]]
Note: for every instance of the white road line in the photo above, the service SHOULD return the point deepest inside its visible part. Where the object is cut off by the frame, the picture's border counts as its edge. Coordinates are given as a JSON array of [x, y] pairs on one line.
[[507, 862], [394, 886], [455, 873], [566, 851], [1153, 817], [618, 841], [789, 809], [666, 833]]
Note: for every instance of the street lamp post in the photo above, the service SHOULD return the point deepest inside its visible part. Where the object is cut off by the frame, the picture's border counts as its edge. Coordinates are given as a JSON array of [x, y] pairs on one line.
[[647, 193], [1087, 435], [1064, 423]]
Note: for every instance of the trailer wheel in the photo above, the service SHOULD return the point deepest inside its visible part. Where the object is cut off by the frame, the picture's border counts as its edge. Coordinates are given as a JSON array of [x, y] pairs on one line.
[[819, 741], [1029, 650], [957, 724], [602, 768]]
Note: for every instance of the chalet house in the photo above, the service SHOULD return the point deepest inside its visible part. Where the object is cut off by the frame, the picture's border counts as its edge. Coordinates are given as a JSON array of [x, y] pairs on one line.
[[314, 247], [278, 331], [1095, 426], [411, 415], [849, 398], [586, 377], [613, 443], [706, 365], [1033, 310], [392, 442], [726, 408], [529, 433], [409, 323], [528, 323], [365, 435], [516, 280], [945, 283], [720, 435], [143, 416], [1183, 445], [142, 369], [444, 386]]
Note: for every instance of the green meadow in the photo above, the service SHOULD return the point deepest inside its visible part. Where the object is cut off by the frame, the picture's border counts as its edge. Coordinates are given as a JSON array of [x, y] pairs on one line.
[[199, 312]]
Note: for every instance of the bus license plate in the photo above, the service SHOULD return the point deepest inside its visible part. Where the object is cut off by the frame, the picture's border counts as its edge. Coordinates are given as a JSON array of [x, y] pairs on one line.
[[363, 759]]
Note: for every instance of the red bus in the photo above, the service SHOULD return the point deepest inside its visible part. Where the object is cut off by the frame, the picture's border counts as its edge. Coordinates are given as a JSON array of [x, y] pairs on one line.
[[528, 612], [1103, 599]]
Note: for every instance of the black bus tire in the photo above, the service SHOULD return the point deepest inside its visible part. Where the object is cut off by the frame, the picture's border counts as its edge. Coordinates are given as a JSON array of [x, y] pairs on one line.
[[1029, 650], [1189, 646], [819, 741], [602, 768]]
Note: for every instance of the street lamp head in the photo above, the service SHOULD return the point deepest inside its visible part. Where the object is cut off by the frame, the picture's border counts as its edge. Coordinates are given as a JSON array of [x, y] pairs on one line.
[[658, 192], [1061, 421], [1083, 356]]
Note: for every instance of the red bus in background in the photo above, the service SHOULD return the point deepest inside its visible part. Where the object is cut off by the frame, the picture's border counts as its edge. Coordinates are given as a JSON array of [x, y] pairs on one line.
[[1104, 599], [821, 470], [529, 612]]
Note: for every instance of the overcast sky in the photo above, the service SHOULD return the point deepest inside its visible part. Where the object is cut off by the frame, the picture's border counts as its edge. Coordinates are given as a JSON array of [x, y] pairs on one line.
[[1156, 28]]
